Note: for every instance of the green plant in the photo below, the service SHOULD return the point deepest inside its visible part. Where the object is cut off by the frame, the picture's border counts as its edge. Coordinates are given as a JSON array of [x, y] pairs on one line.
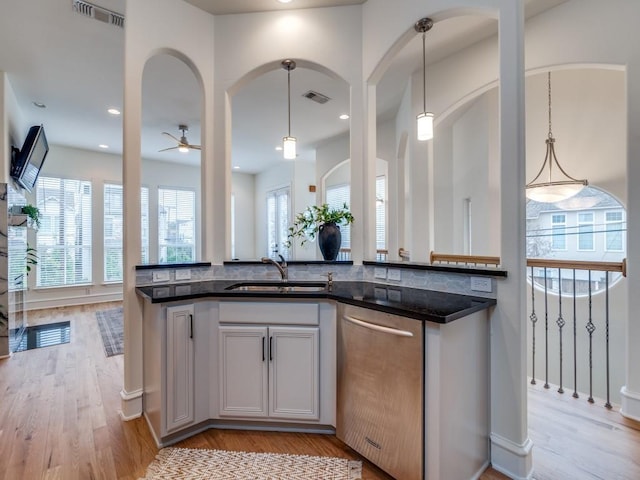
[[33, 213], [307, 223]]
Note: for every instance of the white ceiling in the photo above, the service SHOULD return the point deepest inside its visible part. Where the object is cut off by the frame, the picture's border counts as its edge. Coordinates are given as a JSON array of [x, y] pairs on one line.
[[74, 65]]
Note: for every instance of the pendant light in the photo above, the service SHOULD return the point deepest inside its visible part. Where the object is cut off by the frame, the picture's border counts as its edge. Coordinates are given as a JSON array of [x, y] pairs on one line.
[[563, 186], [425, 119], [289, 142]]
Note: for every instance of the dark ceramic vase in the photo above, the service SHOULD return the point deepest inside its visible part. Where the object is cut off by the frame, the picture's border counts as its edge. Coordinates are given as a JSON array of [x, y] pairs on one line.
[[329, 240]]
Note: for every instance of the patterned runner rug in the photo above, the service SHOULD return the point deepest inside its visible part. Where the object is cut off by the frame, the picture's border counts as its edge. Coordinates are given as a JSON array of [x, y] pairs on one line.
[[197, 464], [111, 330]]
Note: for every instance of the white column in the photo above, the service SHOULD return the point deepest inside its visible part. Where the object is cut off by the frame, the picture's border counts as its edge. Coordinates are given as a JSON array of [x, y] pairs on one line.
[[363, 163], [131, 394], [630, 393], [510, 445]]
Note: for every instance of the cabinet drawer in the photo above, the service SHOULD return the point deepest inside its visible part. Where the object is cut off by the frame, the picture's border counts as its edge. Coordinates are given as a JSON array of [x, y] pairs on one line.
[[280, 313]]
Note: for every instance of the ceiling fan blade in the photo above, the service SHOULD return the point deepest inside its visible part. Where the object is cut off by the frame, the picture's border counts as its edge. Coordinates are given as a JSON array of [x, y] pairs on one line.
[[176, 139], [195, 147], [170, 148]]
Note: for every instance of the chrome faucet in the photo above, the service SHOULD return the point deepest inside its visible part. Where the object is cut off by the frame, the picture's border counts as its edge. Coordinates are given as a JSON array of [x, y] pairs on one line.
[[282, 266]]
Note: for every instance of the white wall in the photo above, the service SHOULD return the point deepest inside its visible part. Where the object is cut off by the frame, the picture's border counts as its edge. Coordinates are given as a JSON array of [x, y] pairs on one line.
[[243, 190]]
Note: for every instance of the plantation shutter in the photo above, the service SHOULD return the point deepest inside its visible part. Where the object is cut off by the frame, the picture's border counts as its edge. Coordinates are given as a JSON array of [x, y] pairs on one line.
[[64, 238]]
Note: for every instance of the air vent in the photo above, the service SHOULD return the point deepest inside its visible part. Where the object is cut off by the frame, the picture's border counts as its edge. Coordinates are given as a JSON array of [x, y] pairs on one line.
[[316, 97], [93, 11]]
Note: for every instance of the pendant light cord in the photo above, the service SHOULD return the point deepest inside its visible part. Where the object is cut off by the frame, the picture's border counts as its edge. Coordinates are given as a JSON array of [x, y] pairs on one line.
[[549, 94], [424, 74], [289, 99]]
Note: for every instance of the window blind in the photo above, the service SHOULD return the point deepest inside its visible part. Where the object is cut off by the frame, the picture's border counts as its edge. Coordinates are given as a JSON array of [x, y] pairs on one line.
[[176, 225], [64, 237], [336, 197], [381, 212]]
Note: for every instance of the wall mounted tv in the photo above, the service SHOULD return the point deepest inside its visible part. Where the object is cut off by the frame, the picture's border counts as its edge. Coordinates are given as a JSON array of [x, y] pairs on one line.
[[27, 162]]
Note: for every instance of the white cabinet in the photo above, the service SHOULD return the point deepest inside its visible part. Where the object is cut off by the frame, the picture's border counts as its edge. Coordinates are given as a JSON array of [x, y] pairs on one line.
[[269, 371], [180, 367]]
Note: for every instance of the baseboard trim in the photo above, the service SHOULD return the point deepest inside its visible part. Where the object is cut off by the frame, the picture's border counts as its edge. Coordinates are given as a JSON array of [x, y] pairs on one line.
[[72, 300], [630, 404], [131, 404], [512, 459], [479, 473]]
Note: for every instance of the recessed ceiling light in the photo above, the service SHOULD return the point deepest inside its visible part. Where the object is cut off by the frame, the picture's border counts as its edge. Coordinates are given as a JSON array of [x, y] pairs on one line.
[[102, 145], [114, 111], [344, 116], [39, 104], [284, 1], [236, 167], [279, 148]]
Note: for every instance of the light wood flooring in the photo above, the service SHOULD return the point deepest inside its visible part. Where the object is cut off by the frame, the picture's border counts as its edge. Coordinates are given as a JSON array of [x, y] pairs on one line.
[[59, 420]]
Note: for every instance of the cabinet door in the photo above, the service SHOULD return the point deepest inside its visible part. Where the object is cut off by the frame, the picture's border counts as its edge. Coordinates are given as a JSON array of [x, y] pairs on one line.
[[179, 355], [294, 372], [243, 359]]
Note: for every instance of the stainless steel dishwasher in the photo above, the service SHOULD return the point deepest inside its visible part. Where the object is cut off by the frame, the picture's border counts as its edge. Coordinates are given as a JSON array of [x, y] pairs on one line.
[[380, 389]]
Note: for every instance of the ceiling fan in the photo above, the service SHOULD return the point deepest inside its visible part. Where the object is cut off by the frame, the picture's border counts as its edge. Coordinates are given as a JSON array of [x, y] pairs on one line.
[[183, 144]]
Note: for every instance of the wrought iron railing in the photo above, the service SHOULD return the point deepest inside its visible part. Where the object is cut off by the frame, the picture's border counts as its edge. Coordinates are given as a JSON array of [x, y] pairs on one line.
[[556, 280], [562, 289]]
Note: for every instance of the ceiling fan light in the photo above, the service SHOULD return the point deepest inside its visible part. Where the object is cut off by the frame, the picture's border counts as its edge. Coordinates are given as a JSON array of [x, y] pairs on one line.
[[425, 126], [289, 148], [183, 149], [553, 193]]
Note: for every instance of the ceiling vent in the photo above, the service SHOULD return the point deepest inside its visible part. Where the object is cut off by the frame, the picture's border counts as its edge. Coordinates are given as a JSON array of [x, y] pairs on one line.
[[93, 11], [316, 97]]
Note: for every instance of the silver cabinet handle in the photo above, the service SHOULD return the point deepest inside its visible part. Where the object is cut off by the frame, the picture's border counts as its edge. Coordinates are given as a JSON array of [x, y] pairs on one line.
[[378, 328]]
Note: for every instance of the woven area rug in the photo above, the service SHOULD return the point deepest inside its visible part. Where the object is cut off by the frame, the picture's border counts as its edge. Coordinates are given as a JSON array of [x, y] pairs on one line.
[[111, 330], [197, 464]]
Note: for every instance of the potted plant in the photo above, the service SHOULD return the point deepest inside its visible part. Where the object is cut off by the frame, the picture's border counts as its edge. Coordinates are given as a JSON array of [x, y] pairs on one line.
[[33, 216], [324, 222]]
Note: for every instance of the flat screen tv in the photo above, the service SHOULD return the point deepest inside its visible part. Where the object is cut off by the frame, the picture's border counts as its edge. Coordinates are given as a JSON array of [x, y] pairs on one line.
[[28, 161]]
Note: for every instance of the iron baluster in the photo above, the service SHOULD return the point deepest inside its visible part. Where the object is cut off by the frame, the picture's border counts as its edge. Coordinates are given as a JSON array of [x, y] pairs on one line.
[[546, 332], [575, 333], [534, 319], [560, 322], [590, 328], [606, 319]]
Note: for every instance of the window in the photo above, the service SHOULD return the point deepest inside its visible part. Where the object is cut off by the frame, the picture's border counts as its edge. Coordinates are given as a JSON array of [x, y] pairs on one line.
[[112, 233], [587, 227], [614, 229], [277, 222], [336, 197], [144, 224], [381, 213], [585, 231], [176, 225], [559, 239], [64, 237], [113, 230]]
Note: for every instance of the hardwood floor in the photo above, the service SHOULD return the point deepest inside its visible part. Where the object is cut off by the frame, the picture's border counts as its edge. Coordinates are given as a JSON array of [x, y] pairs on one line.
[[59, 420]]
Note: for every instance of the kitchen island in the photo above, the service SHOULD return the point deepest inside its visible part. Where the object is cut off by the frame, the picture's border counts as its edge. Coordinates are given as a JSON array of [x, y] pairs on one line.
[[253, 355]]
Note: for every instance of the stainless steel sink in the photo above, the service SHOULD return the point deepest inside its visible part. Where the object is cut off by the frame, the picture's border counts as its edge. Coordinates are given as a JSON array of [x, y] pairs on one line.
[[278, 287]]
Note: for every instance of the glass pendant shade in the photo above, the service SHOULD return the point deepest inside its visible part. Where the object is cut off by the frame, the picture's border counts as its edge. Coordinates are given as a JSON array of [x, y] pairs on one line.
[[289, 148], [425, 126], [553, 193]]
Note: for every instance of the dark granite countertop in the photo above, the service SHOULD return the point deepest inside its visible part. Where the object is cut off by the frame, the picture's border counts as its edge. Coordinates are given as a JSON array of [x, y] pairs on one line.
[[429, 305]]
